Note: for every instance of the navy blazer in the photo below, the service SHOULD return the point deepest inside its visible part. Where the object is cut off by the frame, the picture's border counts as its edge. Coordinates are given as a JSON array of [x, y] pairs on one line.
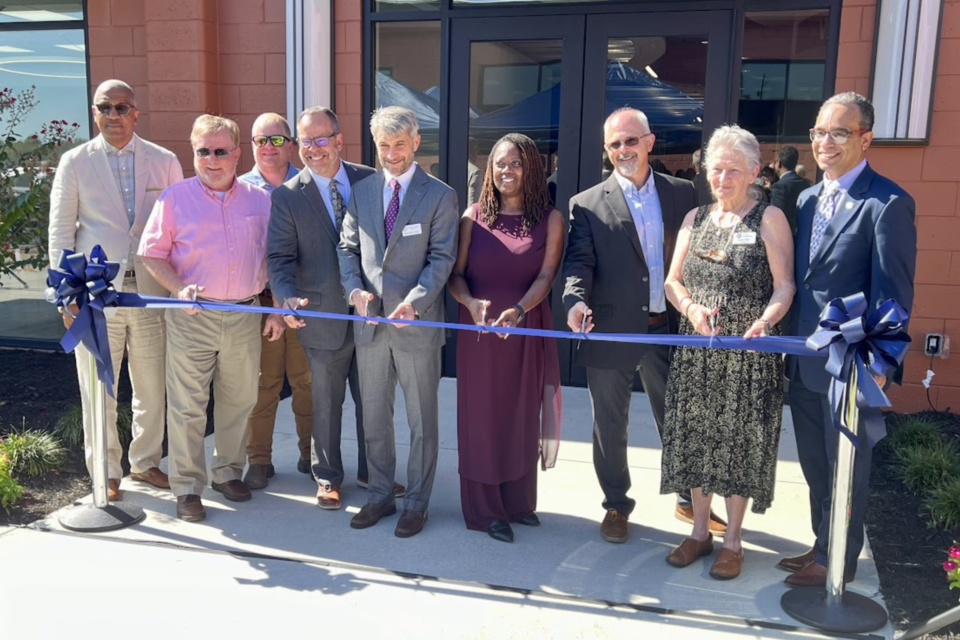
[[870, 246]]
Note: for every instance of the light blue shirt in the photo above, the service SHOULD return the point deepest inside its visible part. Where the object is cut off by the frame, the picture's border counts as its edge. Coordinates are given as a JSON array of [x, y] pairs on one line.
[[124, 172], [323, 185], [644, 206], [255, 178], [845, 181]]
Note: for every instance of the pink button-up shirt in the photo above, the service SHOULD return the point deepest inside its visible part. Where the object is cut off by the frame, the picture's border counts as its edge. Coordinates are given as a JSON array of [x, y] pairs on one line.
[[221, 245]]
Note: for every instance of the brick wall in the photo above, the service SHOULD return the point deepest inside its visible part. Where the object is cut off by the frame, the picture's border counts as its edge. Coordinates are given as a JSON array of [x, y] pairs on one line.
[[348, 74]]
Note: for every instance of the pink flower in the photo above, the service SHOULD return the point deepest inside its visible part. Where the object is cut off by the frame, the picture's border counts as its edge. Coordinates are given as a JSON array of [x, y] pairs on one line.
[[954, 551], [949, 565]]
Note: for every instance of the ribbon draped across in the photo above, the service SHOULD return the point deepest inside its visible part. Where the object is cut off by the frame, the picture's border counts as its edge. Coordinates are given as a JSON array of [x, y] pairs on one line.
[[875, 344]]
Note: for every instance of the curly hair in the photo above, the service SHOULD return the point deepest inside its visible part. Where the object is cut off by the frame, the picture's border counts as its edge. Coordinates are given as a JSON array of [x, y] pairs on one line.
[[536, 197]]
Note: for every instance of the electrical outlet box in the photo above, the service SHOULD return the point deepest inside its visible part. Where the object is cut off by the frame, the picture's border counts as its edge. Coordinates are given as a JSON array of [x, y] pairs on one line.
[[933, 344]]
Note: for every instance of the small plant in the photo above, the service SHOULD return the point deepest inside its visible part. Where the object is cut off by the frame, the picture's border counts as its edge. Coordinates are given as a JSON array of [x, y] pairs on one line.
[[10, 490], [952, 566], [924, 468], [69, 427], [943, 506], [910, 430], [32, 453]]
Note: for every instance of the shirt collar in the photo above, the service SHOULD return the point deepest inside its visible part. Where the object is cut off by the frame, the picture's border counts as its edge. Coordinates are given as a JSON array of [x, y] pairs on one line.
[[324, 183], [845, 181], [404, 179], [256, 178], [628, 187], [213, 194], [129, 147]]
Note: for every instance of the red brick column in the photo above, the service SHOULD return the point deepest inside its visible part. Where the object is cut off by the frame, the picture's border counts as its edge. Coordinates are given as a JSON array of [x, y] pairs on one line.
[[348, 74]]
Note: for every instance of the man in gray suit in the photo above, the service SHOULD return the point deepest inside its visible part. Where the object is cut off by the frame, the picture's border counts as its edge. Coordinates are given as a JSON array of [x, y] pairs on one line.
[[397, 248], [305, 220]]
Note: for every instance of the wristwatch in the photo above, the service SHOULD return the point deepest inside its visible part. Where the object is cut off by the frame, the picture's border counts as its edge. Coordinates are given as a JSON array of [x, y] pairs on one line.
[[521, 314]]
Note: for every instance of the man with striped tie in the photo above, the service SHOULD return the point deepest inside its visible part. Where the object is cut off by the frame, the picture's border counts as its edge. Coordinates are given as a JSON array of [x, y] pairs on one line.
[[855, 233]]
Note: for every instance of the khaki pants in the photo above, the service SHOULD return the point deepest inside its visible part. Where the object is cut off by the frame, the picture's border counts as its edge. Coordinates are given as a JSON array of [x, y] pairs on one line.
[[285, 355], [219, 347], [143, 338]]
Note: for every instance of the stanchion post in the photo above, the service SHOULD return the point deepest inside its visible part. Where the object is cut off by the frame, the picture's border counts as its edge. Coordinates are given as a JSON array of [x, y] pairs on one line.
[[834, 609]]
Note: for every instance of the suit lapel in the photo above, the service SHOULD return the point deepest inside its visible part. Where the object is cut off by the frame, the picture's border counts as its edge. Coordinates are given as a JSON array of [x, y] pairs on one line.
[[141, 162], [617, 202], [411, 199], [848, 207], [98, 156], [312, 194], [375, 209]]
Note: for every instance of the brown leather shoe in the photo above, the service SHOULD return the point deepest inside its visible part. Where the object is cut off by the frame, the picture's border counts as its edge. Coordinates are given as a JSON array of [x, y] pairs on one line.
[[113, 490], [689, 550], [814, 575], [398, 489], [257, 476], [684, 513], [797, 562], [233, 490], [410, 523], [190, 508], [614, 527], [153, 476], [727, 564], [371, 513], [328, 496]]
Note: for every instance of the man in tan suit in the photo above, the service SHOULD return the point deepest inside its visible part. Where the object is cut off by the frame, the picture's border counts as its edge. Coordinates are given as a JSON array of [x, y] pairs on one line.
[[102, 194]]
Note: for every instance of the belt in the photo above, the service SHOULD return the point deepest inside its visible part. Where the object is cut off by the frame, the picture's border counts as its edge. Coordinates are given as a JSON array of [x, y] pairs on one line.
[[250, 300], [130, 274], [657, 318]]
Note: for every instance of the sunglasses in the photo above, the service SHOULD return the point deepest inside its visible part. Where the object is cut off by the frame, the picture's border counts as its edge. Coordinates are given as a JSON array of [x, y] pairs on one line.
[[322, 141], [204, 152], [122, 109], [275, 141], [627, 142], [716, 256]]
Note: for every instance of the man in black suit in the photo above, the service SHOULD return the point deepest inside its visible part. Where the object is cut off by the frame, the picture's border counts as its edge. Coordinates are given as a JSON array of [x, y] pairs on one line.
[[305, 221], [785, 191], [855, 233], [622, 236]]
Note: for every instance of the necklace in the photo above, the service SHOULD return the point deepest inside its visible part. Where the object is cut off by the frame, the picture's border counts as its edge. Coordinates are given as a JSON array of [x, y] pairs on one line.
[[738, 214]]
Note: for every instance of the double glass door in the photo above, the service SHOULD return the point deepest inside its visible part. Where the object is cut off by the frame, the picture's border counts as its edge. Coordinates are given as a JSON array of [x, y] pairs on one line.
[[556, 79]]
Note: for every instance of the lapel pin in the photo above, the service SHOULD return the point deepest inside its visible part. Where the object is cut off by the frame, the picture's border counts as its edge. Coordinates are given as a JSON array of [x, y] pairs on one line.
[[849, 205]]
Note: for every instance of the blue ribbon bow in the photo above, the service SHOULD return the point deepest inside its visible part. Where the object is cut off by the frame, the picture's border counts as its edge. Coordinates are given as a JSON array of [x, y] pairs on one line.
[[88, 284], [875, 344]]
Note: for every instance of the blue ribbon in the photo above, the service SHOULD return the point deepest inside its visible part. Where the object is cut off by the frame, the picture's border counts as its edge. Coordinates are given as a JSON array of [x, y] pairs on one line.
[[875, 344], [87, 284]]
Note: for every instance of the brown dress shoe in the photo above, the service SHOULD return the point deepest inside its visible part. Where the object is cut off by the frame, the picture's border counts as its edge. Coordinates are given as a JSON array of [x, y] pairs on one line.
[[190, 508], [814, 575], [614, 527], [328, 496], [410, 523], [798, 562], [153, 476], [727, 564], [689, 550], [257, 475], [233, 490], [684, 513], [371, 513], [113, 490], [398, 489]]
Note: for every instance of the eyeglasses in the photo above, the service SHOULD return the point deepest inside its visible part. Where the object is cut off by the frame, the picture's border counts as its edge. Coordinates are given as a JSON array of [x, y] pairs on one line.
[[275, 141], [839, 136], [711, 255], [204, 152], [122, 109], [627, 142], [322, 141]]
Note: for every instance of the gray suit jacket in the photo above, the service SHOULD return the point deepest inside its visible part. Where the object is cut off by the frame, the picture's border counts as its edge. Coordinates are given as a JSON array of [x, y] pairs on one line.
[[302, 255], [413, 267]]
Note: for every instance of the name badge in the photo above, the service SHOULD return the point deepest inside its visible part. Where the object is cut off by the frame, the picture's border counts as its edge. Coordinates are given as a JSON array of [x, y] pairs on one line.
[[412, 230], [745, 237]]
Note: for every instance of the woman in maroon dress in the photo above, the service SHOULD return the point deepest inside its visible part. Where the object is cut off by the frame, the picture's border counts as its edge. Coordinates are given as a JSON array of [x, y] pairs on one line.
[[508, 387]]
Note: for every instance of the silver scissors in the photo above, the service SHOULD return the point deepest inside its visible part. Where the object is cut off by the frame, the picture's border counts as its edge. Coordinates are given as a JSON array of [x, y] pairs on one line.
[[483, 320], [583, 327], [712, 320]]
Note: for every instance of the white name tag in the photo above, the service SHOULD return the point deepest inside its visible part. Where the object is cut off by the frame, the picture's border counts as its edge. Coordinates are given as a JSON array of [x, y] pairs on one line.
[[745, 237], [412, 230]]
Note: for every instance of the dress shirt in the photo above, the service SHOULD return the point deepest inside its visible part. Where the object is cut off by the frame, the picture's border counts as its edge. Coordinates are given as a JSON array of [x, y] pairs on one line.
[[644, 206], [220, 245], [343, 186], [124, 172], [404, 180], [845, 181], [256, 178]]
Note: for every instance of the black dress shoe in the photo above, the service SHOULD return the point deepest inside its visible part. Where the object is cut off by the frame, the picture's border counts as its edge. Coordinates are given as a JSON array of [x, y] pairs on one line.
[[529, 520], [500, 530], [303, 466]]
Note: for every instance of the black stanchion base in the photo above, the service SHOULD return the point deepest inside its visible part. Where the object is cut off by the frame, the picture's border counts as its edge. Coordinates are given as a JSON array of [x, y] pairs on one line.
[[88, 518], [853, 614]]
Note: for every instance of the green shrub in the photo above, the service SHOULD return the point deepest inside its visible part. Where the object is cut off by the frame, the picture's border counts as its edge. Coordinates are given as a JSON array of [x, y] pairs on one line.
[[943, 506], [924, 468], [69, 427], [10, 491], [32, 453], [910, 430]]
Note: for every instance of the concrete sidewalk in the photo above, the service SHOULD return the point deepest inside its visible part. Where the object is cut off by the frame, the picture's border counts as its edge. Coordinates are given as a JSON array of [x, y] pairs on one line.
[[280, 564]]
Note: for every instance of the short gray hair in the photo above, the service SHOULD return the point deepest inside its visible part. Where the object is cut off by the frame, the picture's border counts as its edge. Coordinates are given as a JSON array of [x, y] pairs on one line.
[[327, 111], [867, 113], [736, 139], [394, 121], [636, 113]]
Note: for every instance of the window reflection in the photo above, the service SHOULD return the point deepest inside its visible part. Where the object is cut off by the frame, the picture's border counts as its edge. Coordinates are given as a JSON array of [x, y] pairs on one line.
[[41, 11]]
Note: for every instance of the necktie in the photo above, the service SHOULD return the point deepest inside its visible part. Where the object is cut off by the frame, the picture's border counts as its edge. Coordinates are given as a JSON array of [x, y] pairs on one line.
[[825, 210], [393, 209], [337, 201]]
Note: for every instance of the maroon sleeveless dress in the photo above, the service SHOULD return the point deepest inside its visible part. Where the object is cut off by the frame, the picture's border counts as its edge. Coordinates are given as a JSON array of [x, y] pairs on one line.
[[508, 391]]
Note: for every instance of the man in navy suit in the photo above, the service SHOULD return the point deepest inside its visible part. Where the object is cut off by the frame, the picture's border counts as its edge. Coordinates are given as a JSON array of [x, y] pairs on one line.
[[785, 191], [855, 233]]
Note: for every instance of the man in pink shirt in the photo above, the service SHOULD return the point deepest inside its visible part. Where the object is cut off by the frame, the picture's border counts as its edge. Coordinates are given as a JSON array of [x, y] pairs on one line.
[[206, 240]]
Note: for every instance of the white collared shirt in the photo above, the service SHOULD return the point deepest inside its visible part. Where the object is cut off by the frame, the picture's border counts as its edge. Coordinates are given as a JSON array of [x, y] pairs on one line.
[[404, 180], [644, 204], [123, 165], [323, 185]]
